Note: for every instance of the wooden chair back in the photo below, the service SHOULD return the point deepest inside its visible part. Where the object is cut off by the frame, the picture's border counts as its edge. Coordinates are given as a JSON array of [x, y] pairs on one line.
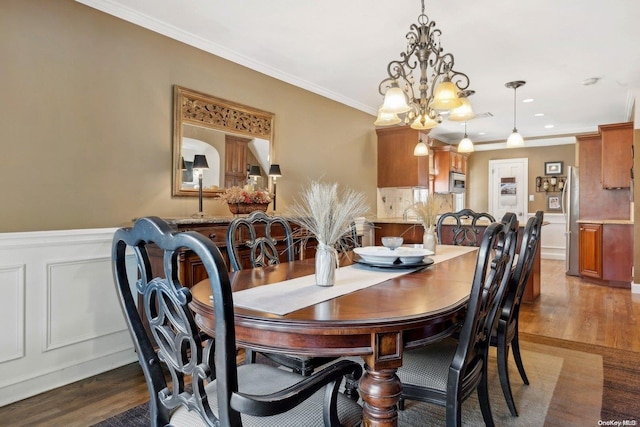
[[465, 230]]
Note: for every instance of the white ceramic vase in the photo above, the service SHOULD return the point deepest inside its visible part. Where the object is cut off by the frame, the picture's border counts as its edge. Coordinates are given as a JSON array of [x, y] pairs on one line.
[[326, 265], [429, 239]]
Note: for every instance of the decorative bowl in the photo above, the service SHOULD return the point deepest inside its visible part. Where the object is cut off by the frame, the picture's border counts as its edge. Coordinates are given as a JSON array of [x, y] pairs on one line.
[[377, 254], [392, 242]]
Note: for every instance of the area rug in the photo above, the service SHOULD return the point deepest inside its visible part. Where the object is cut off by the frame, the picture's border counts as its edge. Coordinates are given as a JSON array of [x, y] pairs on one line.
[[570, 384]]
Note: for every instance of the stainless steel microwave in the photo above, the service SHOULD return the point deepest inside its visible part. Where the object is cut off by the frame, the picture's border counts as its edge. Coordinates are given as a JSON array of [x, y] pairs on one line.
[[457, 182]]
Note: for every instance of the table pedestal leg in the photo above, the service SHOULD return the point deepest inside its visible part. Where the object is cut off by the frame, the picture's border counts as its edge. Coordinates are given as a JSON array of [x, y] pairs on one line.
[[380, 391]]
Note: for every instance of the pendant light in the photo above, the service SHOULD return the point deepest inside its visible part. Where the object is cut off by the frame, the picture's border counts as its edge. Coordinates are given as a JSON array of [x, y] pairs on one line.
[[515, 140], [421, 149], [465, 145]]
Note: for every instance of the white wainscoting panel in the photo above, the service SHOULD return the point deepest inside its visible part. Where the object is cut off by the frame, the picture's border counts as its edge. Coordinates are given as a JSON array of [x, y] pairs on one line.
[[553, 243], [61, 315], [12, 314]]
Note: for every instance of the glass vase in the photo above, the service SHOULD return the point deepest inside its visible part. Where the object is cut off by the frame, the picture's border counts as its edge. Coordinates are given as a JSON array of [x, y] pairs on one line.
[[429, 239], [326, 265]]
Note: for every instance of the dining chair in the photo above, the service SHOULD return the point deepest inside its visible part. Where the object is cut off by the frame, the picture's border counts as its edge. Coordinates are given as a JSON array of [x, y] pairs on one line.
[[447, 372], [465, 230], [505, 334], [203, 384], [261, 234]]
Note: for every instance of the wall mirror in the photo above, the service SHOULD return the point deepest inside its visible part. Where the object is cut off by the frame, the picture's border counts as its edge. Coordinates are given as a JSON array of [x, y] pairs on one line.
[[233, 137]]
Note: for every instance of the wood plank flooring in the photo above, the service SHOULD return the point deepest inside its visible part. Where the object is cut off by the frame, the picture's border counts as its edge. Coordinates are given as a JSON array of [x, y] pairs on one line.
[[568, 308], [576, 310]]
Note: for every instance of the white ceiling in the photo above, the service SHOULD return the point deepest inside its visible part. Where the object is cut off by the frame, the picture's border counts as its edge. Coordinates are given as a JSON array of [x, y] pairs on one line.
[[340, 49]]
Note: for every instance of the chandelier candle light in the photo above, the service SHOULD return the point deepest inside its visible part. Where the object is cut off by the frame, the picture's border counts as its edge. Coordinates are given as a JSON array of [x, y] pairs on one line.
[[422, 108]]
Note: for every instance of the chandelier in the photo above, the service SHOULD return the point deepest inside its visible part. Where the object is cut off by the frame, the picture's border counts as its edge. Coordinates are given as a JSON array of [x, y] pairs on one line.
[[440, 87]]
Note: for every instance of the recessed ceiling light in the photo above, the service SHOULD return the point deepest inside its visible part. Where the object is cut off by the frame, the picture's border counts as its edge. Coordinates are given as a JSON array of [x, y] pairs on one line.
[[548, 126], [482, 133], [528, 100], [539, 114]]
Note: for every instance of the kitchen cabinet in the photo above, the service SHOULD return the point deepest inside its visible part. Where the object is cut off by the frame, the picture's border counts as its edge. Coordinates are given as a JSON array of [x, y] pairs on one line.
[[446, 160], [606, 252], [397, 166], [617, 253], [596, 202], [590, 250], [617, 155]]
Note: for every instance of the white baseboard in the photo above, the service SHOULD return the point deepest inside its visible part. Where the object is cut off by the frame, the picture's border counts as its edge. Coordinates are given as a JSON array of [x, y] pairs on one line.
[[635, 288], [31, 387]]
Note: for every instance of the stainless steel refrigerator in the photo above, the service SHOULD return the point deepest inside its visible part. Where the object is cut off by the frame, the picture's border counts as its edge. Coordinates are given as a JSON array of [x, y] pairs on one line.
[[571, 211]]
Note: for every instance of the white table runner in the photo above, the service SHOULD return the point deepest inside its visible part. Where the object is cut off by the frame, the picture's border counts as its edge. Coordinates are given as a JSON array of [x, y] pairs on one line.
[[290, 295]]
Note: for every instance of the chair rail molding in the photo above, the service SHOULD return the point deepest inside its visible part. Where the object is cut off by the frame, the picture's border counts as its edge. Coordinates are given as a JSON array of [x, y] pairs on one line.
[[62, 318]]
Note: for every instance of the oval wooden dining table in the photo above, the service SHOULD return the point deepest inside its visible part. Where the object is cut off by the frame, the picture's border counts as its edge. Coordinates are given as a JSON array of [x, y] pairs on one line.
[[376, 323]]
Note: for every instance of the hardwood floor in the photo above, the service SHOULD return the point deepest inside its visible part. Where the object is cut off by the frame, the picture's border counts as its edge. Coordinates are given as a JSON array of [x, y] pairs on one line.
[[576, 310], [568, 308]]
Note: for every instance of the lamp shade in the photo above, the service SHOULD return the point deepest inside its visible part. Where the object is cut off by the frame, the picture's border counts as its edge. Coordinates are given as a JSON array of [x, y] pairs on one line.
[[421, 149], [395, 101], [254, 171], [423, 122], [465, 145], [200, 162], [274, 170], [463, 113], [183, 165], [515, 140], [445, 96], [386, 119]]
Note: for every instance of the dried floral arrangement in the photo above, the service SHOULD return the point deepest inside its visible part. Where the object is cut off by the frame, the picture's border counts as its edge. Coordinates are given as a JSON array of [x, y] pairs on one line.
[[326, 212], [428, 211], [239, 195]]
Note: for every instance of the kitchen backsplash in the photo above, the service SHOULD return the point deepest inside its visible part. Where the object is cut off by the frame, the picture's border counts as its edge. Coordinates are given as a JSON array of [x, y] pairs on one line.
[[392, 201]]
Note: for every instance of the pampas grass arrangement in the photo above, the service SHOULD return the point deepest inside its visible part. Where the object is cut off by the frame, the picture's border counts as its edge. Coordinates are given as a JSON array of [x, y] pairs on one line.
[[328, 214], [427, 212]]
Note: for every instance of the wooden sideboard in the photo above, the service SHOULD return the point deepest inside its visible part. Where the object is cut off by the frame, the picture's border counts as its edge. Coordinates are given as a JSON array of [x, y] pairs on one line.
[[190, 269], [412, 234]]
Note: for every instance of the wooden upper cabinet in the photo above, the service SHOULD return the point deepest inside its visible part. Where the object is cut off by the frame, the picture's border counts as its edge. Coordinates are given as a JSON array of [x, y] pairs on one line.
[[447, 160], [617, 155], [397, 166]]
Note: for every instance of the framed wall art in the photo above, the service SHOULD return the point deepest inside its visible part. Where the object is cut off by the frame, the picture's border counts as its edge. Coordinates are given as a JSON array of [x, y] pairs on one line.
[[553, 168], [554, 203]]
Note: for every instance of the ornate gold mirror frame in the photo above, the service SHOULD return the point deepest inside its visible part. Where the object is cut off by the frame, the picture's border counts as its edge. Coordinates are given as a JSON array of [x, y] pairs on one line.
[[225, 133]]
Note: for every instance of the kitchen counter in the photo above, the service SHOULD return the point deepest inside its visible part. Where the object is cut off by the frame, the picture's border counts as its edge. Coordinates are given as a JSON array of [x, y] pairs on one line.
[[606, 221]]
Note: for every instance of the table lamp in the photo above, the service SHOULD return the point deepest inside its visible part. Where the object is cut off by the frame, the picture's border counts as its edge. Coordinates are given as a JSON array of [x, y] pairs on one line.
[[274, 172], [199, 165]]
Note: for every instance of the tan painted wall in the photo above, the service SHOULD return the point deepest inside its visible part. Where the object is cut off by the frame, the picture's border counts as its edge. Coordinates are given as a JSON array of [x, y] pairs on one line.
[[478, 170], [86, 119]]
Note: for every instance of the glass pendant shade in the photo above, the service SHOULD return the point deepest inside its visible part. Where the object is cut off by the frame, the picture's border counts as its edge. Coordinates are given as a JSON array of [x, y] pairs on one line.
[[463, 113], [445, 96], [386, 119], [423, 122], [465, 145], [421, 149], [395, 101], [515, 140]]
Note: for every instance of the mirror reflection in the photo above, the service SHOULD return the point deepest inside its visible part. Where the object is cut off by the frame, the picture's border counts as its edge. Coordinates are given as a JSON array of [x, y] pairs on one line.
[[233, 138]]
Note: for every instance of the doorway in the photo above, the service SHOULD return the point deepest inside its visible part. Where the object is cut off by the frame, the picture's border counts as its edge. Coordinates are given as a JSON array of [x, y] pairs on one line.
[[509, 187]]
